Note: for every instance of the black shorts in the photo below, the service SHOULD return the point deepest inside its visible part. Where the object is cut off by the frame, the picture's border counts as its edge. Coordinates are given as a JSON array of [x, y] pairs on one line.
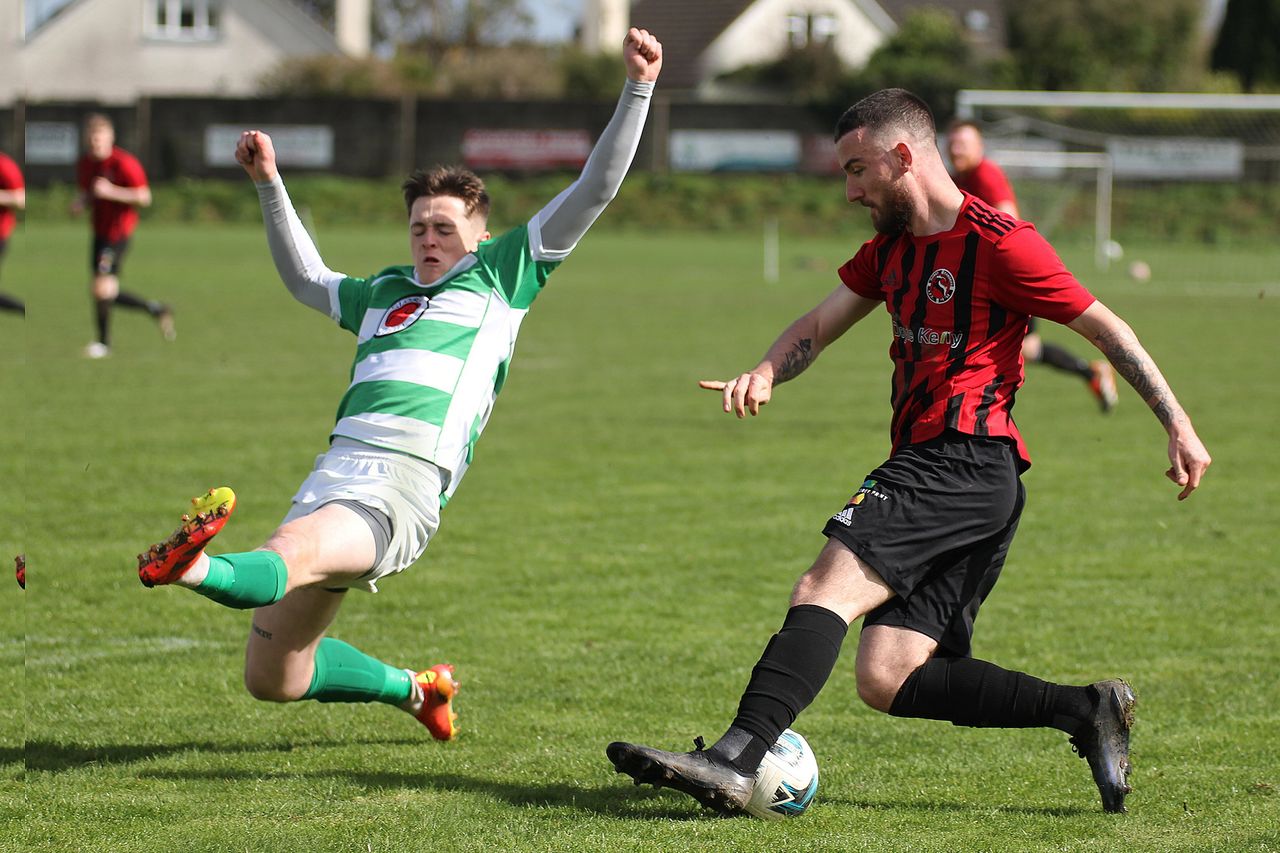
[[935, 521], [108, 255]]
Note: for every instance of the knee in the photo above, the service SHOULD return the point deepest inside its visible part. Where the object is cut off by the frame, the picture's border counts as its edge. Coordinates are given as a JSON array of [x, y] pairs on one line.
[[878, 686], [268, 687], [878, 692]]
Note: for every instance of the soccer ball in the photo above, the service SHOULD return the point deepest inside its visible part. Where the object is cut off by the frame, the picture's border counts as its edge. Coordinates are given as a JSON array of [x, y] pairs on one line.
[[786, 779]]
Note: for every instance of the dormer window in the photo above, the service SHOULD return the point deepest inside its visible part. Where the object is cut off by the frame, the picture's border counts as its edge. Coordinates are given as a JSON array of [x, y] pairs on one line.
[[183, 20], [811, 28]]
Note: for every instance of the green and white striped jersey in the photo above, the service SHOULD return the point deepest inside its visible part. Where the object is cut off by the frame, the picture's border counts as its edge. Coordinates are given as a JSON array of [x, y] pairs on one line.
[[431, 359]]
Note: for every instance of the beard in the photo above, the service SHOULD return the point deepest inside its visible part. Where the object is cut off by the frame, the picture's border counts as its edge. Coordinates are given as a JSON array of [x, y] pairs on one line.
[[894, 214]]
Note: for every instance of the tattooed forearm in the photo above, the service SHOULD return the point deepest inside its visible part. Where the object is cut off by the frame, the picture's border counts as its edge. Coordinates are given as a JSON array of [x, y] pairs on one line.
[[1132, 362], [795, 361]]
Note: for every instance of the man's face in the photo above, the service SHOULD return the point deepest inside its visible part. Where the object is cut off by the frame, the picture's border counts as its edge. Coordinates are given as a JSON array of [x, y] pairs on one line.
[[873, 179], [441, 234], [964, 147], [100, 138]]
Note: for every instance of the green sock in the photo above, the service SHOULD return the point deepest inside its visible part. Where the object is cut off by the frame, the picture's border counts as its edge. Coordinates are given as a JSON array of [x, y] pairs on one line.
[[242, 581], [343, 673]]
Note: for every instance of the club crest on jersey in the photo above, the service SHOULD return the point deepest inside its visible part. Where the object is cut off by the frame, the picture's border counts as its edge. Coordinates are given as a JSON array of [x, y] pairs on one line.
[[403, 314], [940, 287]]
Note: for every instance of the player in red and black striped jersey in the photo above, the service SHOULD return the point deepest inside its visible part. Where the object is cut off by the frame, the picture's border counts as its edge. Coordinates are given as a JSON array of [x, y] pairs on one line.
[[978, 176], [112, 186], [920, 544]]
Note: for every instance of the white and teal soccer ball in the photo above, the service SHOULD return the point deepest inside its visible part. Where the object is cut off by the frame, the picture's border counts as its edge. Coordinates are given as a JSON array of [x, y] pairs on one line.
[[786, 780]]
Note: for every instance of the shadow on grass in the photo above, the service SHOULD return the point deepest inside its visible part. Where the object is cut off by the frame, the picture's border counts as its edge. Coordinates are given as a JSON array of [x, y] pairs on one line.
[[49, 756], [936, 806], [611, 800]]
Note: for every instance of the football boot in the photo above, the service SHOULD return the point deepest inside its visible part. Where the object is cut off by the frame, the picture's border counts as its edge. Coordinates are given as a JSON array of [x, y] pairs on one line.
[[1104, 742], [438, 689], [701, 774], [166, 561]]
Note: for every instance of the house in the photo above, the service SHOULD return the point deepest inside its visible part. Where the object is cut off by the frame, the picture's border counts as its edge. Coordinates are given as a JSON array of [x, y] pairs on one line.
[[114, 51], [710, 38]]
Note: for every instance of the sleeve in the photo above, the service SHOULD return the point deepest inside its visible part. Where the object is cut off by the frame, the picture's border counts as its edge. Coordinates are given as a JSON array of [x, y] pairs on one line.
[[859, 273], [991, 185], [1027, 276], [131, 173], [84, 173], [516, 271], [295, 255], [557, 228], [10, 175], [351, 297]]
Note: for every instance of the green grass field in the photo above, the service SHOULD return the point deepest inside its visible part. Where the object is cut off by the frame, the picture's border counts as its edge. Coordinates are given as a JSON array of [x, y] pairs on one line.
[[613, 566]]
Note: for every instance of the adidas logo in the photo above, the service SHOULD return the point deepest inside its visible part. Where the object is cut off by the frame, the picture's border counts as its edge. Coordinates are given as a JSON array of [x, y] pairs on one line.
[[845, 516]]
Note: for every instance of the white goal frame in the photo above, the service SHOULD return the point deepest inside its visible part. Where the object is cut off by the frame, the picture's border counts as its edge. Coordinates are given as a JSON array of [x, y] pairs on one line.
[[1104, 173]]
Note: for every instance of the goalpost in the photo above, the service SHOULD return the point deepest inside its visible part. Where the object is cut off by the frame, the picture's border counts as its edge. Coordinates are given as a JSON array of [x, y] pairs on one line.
[[1132, 137]]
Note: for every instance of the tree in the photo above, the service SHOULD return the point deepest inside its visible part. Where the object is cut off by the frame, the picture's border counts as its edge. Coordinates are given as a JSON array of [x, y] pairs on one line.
[[438, 24], [930, 56], [1145, 45], [1249, 42]]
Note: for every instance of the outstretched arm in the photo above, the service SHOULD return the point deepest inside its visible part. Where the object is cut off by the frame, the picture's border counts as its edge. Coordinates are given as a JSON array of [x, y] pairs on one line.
[[295, 255], [560, 225], [1187, 455], [793, 351]]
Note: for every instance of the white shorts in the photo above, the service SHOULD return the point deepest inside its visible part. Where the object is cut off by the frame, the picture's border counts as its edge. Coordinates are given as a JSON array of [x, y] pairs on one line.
[[406, 489]]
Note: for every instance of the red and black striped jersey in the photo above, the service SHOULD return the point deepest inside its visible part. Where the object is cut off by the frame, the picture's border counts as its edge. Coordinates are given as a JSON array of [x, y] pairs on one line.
[[959, 302]]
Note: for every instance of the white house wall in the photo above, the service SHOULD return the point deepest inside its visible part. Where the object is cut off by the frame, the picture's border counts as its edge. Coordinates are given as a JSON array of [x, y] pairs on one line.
[[759, 34], [96, 50]]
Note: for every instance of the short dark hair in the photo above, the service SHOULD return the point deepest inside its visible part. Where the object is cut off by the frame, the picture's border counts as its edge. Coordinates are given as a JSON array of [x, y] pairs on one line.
[[448, 180], [889, 108], [960, 123]]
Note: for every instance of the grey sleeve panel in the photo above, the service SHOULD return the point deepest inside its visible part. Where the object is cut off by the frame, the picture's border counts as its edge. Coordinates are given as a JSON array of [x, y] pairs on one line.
[[294, 253], [557, 228]]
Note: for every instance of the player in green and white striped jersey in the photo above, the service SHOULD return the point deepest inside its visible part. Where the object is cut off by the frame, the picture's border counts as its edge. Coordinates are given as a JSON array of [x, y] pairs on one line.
[[434, 340]]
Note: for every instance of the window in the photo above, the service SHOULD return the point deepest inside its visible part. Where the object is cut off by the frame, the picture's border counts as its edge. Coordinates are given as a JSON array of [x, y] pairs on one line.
[[811, 28], [183, 20]]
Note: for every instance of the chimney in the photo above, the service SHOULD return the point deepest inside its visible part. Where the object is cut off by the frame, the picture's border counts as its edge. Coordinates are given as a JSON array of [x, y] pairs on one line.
[[604, 25], [353, 27]]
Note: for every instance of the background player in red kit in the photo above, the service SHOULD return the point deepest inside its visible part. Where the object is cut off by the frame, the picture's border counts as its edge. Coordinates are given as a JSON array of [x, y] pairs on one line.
[[113, 185], [921, 543], [13, 197], [978, 176]]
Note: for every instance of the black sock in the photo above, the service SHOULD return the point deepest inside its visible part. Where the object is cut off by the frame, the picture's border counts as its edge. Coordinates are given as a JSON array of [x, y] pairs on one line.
[[793, 668], [971, 692], [103, 308], [129, 300], [8, 303], [1055, 356]]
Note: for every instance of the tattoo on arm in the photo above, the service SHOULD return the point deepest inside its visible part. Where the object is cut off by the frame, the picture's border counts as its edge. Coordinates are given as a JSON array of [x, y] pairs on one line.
[[795, 361], [1137, 368], [266, 635]]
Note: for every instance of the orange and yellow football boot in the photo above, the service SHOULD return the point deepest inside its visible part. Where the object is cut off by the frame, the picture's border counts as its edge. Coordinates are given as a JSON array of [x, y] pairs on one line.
[[166, 561], [438, 689]]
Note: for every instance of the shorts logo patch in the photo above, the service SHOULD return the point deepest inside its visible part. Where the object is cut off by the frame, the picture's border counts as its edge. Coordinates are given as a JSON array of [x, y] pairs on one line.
[[845, 516], [941, 287], [403, 314]]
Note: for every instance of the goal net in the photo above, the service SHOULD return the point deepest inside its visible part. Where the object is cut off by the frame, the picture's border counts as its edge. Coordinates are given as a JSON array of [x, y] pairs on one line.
[[1065, 151]]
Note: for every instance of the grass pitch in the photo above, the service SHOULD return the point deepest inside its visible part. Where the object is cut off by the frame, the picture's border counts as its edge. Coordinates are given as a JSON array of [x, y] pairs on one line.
[[613, 566]]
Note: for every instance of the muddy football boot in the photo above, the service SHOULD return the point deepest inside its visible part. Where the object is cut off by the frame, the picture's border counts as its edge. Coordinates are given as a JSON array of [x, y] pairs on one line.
[[700, 774], [1104, 742]]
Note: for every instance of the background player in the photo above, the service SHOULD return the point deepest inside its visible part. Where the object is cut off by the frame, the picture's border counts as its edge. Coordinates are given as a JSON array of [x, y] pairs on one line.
[[434, 342], [921, 543], [975, 174], [113, 186], [13, 197]]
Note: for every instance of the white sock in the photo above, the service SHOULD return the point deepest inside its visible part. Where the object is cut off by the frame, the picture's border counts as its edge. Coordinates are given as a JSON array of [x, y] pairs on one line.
[[195, 575], [415, 702]]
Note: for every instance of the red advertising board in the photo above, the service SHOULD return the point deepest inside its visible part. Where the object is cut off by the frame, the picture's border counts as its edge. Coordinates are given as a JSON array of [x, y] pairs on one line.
[[526, 150]]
